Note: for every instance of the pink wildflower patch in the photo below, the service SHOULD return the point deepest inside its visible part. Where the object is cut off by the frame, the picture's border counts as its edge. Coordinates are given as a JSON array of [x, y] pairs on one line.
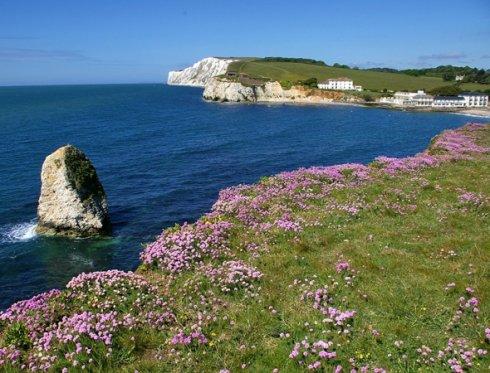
[[233, 275], [184, 339], [313, 354], [342, 266], [35, 313], [180, 249]]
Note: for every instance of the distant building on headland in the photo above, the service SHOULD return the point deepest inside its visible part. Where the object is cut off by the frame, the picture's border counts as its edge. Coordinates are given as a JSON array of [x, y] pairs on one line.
[[459, 78], [421, 99], [339, 84]]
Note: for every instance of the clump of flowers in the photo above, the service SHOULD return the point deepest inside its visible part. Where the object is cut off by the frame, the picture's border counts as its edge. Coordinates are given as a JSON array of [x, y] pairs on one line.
[[183, 339], [234, 275], [79, 333], [459, 356], [180, 249], [334, 316], [471, 199], [342, 266], [287, 223], [35, 313], [9, 356], [456, 142], [467, 305], [391, 166], [125, 292], [68, 327], [313, 355]]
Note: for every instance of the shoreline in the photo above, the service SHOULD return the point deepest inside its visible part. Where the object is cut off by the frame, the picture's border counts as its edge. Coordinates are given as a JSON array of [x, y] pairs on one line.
[[223, 90], [479, 113]]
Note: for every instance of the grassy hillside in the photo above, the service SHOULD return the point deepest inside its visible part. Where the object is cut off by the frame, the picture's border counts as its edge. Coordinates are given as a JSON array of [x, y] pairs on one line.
[[371, 80], [359, 267]]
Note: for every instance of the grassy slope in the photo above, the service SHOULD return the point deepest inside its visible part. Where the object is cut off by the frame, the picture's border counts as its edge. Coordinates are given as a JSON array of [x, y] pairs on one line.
[[368, 79], [404, 264], [402, 255]]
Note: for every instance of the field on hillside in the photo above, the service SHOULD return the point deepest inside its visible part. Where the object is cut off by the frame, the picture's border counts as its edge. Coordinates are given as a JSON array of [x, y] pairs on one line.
[[348, 268], [370, 80]]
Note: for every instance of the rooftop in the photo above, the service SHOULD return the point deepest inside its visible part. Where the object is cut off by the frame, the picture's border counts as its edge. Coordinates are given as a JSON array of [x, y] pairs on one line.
[[449, 98], [423, 96], [473, 94]]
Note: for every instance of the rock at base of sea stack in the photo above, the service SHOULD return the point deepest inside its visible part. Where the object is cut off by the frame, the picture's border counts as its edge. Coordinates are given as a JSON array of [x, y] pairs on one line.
[[72, 201]]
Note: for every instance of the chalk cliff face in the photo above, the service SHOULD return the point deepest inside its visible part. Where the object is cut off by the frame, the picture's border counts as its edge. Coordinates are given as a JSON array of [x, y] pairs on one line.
[[72, 201], [223, 90], [198, 74]]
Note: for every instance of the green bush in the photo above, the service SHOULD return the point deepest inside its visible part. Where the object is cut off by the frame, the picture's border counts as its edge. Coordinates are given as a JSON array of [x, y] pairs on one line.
[[367, 97], [448, 90], [311, 82], [18, 335], [286, 84]]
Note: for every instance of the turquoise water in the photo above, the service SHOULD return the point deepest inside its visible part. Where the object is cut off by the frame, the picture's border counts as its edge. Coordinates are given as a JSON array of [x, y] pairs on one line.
[[162, 155]]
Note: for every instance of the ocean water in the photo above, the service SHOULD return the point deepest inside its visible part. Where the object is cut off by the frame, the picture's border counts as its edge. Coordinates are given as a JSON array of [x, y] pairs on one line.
[[163, 154]]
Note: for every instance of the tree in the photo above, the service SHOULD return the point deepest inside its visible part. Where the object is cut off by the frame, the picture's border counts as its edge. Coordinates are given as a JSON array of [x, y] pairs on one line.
[[448, 76], [448, 90], [341, 66], [311, 82]]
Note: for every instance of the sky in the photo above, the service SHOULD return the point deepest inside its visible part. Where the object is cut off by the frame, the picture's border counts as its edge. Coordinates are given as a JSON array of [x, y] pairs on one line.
[[139, 41]]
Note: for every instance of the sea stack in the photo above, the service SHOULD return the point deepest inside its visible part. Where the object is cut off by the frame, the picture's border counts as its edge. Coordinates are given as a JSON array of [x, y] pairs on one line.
[[72, 201]]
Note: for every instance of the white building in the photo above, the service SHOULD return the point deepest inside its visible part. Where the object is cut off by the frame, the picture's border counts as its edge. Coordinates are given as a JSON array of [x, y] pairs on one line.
[[475, 99], [401, 98], [448, 101], [422, 100], [340, 84], [459, 78]]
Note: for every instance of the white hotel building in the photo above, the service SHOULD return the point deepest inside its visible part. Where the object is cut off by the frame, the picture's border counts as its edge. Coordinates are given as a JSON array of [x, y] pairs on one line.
[[475, 99], [421, 99], [339, 84]]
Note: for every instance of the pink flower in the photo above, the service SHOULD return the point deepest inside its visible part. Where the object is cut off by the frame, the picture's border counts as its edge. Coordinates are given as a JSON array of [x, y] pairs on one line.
[[342, 266]]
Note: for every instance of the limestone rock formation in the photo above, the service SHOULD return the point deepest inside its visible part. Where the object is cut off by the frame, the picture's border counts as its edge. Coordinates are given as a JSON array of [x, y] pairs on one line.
[[72, 201], [223, 90], [198, 74]]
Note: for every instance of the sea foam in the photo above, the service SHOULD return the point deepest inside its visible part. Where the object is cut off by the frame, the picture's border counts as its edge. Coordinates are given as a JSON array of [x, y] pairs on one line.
[[18, 232]]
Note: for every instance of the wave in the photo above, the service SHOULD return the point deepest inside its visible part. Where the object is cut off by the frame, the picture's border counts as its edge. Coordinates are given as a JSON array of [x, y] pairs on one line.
[[18, 232], [474, 115]]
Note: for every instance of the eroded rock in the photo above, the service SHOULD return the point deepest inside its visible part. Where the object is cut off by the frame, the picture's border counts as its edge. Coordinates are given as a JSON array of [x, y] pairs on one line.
[[72, 201]]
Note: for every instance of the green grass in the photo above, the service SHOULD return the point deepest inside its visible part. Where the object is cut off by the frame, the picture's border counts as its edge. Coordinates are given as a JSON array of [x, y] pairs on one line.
[[370, 80]]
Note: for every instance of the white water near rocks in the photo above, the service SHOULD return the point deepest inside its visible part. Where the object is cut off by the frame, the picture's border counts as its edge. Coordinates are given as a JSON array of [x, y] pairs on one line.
[[18, 232]]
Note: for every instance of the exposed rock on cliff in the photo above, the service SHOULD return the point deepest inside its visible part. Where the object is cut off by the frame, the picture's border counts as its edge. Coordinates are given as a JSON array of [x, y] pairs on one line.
[[198, 74], [72, 200], [223, 90]]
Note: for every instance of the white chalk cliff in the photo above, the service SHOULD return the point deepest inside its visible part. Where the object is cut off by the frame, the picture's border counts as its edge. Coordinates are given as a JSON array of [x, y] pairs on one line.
[[223, 90], [199, 74]]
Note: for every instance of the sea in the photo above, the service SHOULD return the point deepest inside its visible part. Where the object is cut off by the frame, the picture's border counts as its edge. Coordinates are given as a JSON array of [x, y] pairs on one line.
[[162, 155]]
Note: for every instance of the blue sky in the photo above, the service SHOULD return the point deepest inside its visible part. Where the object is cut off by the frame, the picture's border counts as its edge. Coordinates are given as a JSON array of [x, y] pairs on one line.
[[101, 41]]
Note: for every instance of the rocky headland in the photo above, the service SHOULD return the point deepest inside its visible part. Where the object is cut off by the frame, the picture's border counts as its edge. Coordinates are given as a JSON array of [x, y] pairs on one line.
[[72, 200], [225, 90], [222, 85]]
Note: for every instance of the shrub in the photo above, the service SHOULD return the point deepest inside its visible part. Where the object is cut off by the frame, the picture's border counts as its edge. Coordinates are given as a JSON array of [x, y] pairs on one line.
[[367, 97], [448, 90], [18, 335]]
